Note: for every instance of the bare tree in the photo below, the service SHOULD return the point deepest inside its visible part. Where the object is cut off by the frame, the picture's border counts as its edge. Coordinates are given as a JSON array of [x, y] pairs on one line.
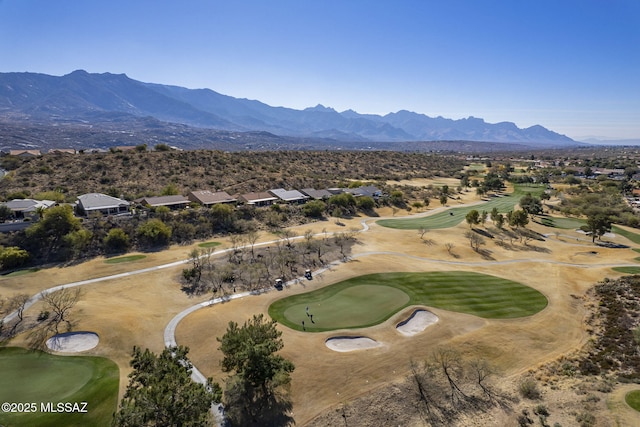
[[475, 241], [16, 304], [61, 303], [252, 237], [451, 365], [449, 247]]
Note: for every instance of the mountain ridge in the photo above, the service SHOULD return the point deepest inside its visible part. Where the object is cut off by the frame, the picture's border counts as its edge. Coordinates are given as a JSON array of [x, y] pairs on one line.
[[86, 96]]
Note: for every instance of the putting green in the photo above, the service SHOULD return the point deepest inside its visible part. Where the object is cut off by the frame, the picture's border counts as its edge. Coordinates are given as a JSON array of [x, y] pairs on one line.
[[126, 258], [380, 301], [371, 299], [633, 399], [454, 216], [42, 378]]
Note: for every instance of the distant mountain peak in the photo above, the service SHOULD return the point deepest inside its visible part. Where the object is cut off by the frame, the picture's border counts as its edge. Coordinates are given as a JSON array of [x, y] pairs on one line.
[[83, 96], [321, 108]]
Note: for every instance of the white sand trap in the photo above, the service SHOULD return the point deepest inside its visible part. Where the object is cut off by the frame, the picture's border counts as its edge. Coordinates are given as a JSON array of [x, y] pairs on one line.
[[344, 344], [73, 342], [417, 322]]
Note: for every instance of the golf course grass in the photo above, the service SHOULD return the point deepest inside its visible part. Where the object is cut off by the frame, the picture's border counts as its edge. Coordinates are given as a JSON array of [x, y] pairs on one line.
[[633, 399], [371, 299], [126, 258], [41, 378], [627, 270], [22, 272], [454, 216], [209, 244]]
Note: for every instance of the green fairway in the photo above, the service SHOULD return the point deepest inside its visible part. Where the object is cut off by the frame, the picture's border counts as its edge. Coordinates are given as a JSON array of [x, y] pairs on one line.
[[627, 270], [371, 299], [43, 379], [634, 237], [127, 258], [22, 272], [633, 399], [454, 216], [564, 223]]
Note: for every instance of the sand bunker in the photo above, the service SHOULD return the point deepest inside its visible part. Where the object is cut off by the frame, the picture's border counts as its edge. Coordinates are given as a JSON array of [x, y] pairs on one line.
[[344, 344], [417, 322], [73, 342]]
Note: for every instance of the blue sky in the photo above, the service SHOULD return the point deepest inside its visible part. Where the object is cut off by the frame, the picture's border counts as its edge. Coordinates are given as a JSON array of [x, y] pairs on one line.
[[570, 65]]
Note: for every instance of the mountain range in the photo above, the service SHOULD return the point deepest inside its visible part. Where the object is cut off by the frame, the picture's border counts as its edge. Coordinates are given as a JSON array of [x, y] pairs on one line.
[[86, 99]]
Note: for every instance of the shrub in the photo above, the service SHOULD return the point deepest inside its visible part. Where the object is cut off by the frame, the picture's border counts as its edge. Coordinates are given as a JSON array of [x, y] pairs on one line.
[[529, 389]]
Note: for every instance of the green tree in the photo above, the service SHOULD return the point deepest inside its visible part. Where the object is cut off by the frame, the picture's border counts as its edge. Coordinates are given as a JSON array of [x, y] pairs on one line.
[[366, 203], [314, 208], [532, 205], [597, 225], [5, 212], [77, 241], [444, 199], [57, 222], [154, 233], [12, 257], [162, 393], [472, 217], [170, 190], [256, 393], [345, 201], [518, 218], [116, 241]]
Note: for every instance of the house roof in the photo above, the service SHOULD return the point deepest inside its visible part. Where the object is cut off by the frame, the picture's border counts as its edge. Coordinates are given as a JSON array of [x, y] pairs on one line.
[[258, 197], [94, 201], [288, 195], [165, 200], [368, 190], [28, 205], [206, 197], [62, 150], [316, 194], [25, 153]]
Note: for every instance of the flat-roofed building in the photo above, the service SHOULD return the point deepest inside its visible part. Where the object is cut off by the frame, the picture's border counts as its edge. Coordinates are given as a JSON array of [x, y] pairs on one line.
[[258, 199], [289, 196], [102, 203], [209, 198]]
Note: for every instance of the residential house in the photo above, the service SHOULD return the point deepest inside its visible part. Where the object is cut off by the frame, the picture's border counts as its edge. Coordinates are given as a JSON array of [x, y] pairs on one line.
[[62, 151], [289, 196], [24, 208], [173, 202], [209, 198], [316, 194], [103, 204], [367, 190], [25, 153], [258, 199]]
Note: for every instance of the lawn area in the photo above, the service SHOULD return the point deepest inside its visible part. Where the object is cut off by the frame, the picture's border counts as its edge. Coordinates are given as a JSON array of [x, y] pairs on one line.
[[562, 222], [209, 244], [633, 399], [371, 299], [627, 270], [38, 377], [634, 237], [22, 272], [454, 216], [127, 258]]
